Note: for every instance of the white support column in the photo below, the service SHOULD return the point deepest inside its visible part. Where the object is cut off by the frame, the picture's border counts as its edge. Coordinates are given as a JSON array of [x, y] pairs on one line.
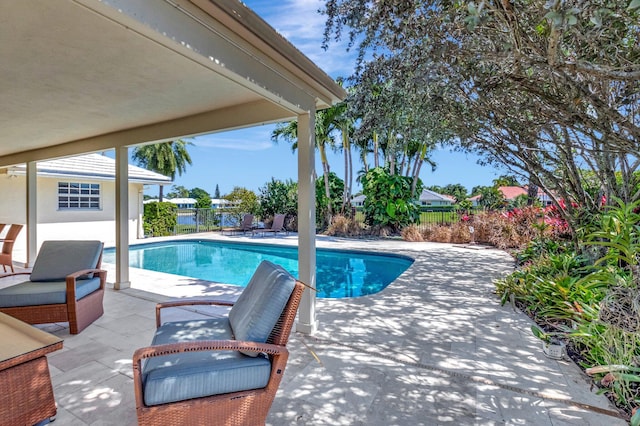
[[140, 230], [307, 322], [32, 213], [122, 219]]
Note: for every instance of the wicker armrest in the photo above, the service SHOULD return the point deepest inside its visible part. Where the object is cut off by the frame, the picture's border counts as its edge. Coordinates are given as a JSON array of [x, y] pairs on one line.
[[274, 351], [178, 303], [207, 345], [72, 278]]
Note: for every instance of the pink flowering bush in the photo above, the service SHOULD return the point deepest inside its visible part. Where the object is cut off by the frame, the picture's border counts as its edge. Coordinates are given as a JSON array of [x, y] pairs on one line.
[[506, 230]]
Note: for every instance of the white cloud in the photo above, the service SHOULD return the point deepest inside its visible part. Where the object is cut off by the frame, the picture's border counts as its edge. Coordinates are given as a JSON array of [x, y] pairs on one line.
[[247, 140]]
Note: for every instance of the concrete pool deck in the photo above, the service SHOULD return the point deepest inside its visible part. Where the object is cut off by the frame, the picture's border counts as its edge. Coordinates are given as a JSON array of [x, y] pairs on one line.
[[433, 348]]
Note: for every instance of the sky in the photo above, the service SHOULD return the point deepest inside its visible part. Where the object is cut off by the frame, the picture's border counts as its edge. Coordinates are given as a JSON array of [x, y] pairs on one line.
[[248, 158]]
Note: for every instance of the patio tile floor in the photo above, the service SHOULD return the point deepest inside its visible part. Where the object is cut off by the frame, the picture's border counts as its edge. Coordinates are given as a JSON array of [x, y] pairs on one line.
[[434, 348]]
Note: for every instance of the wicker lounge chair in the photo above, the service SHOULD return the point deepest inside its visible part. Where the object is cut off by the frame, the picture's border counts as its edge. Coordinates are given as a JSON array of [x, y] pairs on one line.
[[65, 285], [245, 226], [6, 257], [277, 226], [223, 370]]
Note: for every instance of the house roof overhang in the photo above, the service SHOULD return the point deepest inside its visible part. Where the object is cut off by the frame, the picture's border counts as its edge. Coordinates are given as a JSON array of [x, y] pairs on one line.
[[87, 75], [90, 167]]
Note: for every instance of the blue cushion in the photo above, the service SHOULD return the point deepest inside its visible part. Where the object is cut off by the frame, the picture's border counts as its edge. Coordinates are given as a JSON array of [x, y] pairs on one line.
[[193, 330], [44, 293], [189, 375], [57, 259], [261, 303]]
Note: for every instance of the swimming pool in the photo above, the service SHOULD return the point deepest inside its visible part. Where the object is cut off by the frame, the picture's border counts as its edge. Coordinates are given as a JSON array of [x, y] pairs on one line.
[[339, 273]]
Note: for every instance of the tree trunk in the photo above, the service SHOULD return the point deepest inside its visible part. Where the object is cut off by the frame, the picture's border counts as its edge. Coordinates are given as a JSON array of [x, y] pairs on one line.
[[532, 193], [346, 193], [416, 176], [376, 163], [327, 188], [420, 156]]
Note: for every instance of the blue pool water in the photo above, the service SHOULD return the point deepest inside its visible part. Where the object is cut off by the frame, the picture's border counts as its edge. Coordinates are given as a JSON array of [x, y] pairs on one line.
[[339, 273]]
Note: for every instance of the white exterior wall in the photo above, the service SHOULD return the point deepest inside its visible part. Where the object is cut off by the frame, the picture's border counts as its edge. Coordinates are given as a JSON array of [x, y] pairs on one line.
[[54, 224]]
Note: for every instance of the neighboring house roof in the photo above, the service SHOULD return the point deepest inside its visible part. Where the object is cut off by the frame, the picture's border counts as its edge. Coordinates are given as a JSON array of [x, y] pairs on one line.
[[181, 200], [91, 166], [220, 201], [511, 192], [428, 195], [214, 201]]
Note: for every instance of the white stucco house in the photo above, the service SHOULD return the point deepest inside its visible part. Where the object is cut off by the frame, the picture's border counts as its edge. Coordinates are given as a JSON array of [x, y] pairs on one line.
[[427, 199], [76, 199], [190, 203], [430, 198]]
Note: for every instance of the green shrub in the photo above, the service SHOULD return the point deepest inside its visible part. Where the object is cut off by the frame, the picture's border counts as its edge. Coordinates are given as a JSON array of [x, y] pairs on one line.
[[242, 201], [278, 197], [593, 297], [159, 219], [389, 202], [336, 189]]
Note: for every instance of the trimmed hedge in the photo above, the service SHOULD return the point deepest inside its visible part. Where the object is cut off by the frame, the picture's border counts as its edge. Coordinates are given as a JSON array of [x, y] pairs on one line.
[[160, 219]]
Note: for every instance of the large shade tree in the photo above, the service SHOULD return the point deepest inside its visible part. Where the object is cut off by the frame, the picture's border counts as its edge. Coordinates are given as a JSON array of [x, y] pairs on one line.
[[551, 89], [166, 158], [392, 123]]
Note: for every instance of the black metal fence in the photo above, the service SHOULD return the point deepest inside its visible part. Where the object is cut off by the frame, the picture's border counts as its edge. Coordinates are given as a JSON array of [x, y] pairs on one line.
[[428, 218], [190, 221]]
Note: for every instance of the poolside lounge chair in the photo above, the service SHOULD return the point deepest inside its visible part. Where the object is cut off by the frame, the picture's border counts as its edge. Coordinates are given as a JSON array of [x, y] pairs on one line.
[[221, 370], [6, 257], [245, 226], [65, 285], [277, 226]]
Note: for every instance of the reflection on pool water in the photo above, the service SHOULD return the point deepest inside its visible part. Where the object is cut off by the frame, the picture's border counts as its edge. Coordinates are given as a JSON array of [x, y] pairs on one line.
[[339, 273]]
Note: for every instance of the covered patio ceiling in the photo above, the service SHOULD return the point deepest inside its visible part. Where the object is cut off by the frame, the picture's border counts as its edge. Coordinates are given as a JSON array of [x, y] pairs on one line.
[[83, 76], [89, 75]]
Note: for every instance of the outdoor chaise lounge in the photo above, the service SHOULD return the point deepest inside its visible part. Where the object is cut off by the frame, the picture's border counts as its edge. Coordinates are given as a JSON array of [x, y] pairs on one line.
[[245, 226], [277, 226], [65, 285], [6, 256], [223, 370]]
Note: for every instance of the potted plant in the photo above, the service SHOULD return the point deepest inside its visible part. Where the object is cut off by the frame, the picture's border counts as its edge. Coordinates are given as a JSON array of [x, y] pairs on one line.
[[552, 346]]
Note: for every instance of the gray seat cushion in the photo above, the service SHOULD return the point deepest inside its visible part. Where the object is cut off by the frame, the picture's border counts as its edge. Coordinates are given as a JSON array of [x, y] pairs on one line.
[[30, 293], [57, 259], [261, 303], [182, 376]]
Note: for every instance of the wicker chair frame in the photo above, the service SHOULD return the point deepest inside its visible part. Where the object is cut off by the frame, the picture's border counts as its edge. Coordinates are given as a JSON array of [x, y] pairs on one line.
[[249, 407], [78, 313], [6, 256]]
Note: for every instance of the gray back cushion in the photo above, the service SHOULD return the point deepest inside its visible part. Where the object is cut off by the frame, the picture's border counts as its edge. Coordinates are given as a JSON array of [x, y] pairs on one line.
[[261, 303], [57, 259]]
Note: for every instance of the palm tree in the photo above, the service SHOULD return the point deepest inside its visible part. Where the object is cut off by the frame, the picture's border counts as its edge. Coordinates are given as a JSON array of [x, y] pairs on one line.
[[166, 158], [326, 123], [346, 124]]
